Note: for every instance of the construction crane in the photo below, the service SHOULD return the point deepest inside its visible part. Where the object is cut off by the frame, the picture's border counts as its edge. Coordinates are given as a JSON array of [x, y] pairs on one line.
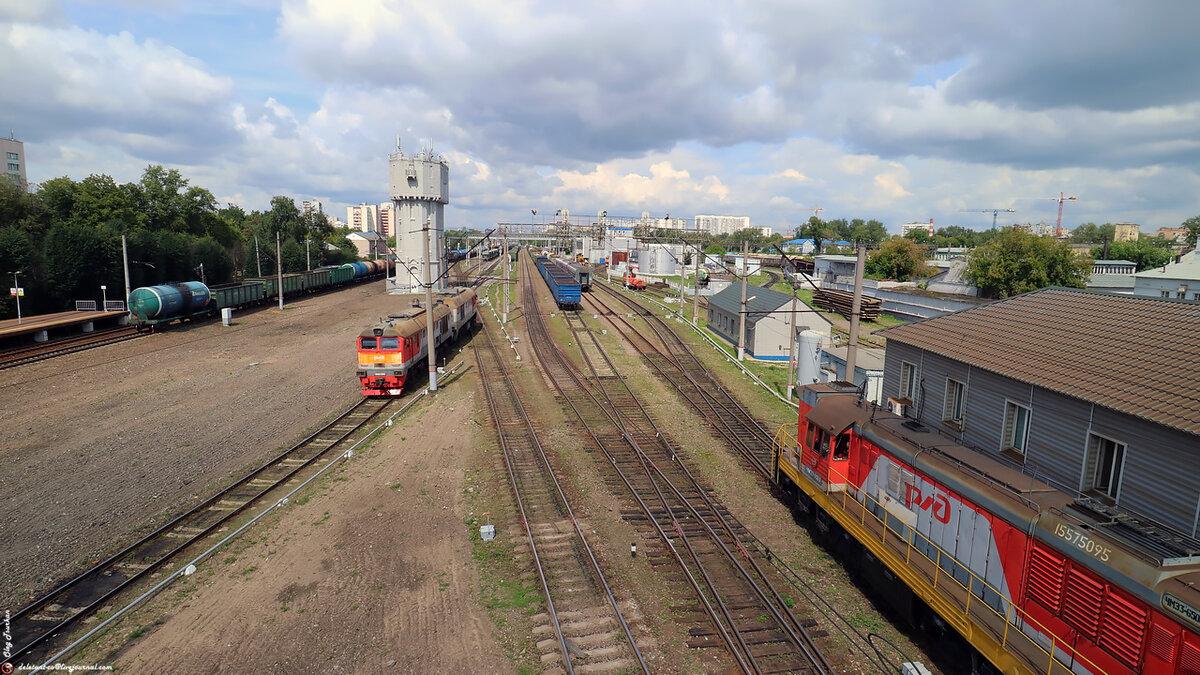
[[994, 213], [815, 210], [1062, 197]]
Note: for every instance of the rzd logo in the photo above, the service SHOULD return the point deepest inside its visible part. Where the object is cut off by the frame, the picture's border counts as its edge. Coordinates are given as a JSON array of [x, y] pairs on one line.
[[936, 502]]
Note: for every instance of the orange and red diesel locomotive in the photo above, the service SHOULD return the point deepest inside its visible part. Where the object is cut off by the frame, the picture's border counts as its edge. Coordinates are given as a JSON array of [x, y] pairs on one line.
[[389, 350]]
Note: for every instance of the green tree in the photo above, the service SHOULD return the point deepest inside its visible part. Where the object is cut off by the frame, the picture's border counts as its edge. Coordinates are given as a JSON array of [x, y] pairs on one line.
[[160, 198], [98, 201], [815, 229], [714, 249], [293, 256], [218, 266], [871, 233], [1090, 233], [1017, 262], [1193, 227], [77, 260], [284, 217], [1147, 252], [900, 259], [17, 254]]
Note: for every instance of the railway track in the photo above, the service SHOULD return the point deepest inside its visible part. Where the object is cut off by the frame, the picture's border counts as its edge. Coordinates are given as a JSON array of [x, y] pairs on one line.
[[583, 625], [675, 362], [732, 604], [37, 629], [24, 355]]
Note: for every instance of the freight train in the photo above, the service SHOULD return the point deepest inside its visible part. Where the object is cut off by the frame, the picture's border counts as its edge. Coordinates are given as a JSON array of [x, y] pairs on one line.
[[155, 306], [1035, 579], [562, 282], [390, 349]]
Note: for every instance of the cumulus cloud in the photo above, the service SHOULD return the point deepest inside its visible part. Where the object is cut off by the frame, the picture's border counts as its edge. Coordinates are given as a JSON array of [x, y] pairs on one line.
[[79, 83], [872, 109]]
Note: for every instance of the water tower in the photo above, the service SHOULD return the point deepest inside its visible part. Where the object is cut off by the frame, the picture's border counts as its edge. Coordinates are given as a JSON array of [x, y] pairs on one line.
[[420, 187]]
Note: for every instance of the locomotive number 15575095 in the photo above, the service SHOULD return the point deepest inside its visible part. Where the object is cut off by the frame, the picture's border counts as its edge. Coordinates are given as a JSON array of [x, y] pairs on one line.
[[1082, 541]]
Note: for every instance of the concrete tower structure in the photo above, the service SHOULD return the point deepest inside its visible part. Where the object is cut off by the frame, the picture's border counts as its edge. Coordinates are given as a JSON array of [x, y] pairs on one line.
[[420, 190]]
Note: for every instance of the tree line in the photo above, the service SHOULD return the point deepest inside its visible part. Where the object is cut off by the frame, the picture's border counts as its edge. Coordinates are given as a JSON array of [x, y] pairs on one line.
[[64, 238]]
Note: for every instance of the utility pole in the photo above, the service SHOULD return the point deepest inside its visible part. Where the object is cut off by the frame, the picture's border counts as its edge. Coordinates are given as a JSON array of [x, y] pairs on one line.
[[792, 346], [696, 297], [507, 273], [741, 348], [854, 312], [125, 260], [308, 255], [430, 353], [258, 254], [279, 268]]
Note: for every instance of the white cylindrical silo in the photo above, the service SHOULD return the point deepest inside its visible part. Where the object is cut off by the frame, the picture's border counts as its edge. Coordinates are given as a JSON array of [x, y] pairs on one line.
[[808, 358]]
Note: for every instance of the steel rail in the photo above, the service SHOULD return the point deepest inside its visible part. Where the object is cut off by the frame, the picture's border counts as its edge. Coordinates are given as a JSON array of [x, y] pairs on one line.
[[563, 500], [786, 621], [712, 403], [78, 343], [539, 334], [113, 566], [802, 641]]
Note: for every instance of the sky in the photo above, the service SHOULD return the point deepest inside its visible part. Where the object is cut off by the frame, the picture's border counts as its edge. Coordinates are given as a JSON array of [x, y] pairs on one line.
[[897, 111]]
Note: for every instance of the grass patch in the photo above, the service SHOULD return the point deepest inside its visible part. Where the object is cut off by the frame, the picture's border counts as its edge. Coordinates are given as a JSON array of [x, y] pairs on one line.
[[322, 520]]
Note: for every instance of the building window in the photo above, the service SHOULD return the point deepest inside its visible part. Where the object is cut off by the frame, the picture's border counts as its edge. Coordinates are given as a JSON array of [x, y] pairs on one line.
[[13, 166], [13, 155], [952, 406], [1016, 428], [1164, 294], [1104, 461], [908, 380]]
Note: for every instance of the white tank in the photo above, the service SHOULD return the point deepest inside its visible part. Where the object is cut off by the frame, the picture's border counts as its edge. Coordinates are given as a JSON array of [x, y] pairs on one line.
[[808, 358]]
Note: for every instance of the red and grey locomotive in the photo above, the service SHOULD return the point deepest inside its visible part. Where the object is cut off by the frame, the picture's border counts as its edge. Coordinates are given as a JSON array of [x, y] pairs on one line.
[[1036, 579]]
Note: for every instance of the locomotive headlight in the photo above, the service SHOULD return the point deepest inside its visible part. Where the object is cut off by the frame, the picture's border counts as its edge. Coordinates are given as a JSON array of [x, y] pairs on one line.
[[378, 332]]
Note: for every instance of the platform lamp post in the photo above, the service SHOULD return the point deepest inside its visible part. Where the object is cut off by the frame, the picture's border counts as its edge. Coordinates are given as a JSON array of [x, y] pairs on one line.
[[104, 296], [17, 292]]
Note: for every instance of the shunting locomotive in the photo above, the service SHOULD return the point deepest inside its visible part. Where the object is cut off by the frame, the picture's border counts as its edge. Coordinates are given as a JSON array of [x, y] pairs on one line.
[[391, 348]]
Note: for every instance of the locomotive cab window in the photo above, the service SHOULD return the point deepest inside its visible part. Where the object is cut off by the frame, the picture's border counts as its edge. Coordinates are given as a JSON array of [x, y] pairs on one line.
[[841, 447], [367, 343], [389, 343]]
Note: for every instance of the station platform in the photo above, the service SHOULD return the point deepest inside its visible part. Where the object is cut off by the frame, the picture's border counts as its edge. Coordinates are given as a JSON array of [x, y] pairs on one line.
[[40, 326]]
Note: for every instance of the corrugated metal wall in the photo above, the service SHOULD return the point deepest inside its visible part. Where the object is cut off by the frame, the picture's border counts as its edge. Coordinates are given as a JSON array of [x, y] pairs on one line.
[[1158, 475]]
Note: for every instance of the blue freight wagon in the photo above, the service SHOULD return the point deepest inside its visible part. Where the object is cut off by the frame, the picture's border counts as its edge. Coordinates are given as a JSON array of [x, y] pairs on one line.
[[563, 286]]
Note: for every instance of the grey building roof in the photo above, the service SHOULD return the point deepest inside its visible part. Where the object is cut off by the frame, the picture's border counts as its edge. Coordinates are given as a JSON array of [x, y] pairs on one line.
[[1187, 268], [1137, 355], [765, 301]]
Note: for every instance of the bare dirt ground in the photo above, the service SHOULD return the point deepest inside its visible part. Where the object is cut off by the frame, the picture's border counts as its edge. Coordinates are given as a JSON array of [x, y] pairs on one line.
[[370, 571], [97, 446]]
